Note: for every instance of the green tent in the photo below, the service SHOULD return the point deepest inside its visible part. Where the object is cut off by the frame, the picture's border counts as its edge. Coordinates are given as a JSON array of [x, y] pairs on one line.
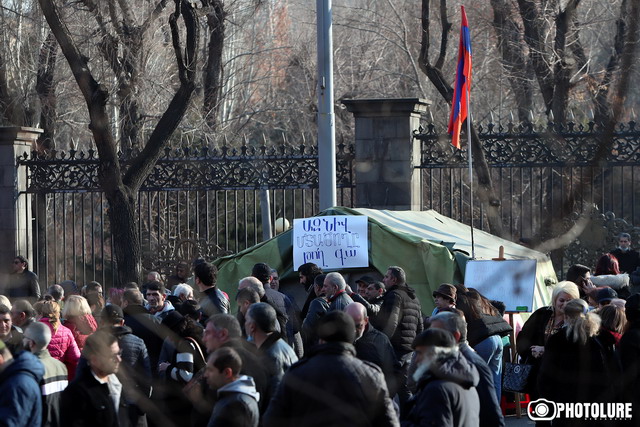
[[431, 248]]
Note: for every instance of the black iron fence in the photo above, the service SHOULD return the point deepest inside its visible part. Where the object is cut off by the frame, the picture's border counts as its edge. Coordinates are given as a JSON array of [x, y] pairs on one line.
[[543, 175], [196, 202]]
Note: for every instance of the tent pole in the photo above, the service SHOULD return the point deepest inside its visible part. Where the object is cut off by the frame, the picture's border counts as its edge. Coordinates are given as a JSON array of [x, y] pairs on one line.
[[473, 247]]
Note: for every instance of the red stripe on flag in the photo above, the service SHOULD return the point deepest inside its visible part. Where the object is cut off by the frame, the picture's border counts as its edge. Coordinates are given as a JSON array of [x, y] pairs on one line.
[[462, 86]]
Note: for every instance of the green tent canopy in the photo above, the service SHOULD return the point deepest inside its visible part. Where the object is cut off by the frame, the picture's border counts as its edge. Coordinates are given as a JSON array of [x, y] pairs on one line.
[[431, 248]]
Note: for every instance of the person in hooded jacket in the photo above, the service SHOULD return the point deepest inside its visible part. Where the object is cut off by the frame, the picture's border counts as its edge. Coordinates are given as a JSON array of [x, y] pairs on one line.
[[237, 398], [446, 380], [20, 398]]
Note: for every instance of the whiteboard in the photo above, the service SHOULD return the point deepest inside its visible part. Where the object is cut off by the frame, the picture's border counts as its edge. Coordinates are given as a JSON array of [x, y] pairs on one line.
[[510, 281], [331, 242]]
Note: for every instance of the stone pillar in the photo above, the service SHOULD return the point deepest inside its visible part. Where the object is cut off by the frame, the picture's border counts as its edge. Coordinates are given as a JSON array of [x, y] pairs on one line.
[[15, 205], [386, 152]]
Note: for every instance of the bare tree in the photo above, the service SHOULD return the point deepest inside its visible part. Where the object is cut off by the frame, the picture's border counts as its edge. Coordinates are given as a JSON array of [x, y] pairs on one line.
[[119, 183]]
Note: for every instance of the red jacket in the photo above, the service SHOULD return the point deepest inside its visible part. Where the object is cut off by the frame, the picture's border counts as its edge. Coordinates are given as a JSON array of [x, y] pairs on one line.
[[63, 347]]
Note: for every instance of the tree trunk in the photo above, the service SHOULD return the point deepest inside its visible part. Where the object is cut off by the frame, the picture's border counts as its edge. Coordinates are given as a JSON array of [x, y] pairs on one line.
[[126, 241], [213, 70]]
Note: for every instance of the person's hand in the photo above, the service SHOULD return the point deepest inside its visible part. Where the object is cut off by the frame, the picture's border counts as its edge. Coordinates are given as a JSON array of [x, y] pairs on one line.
[[163, 366], [537, 351], [348, 290]]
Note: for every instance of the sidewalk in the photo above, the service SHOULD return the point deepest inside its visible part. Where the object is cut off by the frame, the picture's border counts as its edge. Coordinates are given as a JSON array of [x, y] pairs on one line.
[[512, 421]]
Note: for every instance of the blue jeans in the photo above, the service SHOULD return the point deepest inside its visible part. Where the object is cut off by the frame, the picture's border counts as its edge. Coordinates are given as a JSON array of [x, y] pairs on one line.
[[490, 350]]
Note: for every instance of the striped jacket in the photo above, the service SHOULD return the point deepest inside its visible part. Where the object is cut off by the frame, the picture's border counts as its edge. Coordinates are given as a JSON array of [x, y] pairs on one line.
[[52, 384]]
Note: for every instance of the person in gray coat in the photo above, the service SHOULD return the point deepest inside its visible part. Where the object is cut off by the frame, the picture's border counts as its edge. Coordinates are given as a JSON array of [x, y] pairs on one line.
[[334, 289], [446, 393], [237, 398], [275, 354], [490, 412]]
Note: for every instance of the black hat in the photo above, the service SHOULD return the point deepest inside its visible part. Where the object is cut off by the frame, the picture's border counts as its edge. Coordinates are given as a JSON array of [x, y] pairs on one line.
[[434, 337], [366, 279], [606, 294], [261, 271], [112, 313], [172, 319]]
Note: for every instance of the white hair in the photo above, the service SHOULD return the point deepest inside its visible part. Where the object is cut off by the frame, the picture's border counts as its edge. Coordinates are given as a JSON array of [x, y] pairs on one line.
[[336, 280], [183, 289]]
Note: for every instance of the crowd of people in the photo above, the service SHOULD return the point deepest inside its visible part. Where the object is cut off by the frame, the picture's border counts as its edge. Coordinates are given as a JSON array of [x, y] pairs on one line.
[[178, 351]]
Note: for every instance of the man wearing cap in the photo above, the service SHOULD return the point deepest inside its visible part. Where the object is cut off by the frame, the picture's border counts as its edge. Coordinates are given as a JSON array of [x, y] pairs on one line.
[[36, 339], [444, 297], [370, 294], [20, 398], [330, 387], [446, 393], [135, 369]]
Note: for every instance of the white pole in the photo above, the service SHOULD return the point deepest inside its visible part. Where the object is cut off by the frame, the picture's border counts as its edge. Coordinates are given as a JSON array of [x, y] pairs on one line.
[[473, 246], [326, 123]]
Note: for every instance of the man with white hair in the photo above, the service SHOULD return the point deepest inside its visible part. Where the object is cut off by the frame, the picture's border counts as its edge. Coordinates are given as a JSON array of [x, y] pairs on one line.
[[446, 393], [183, 292], [36, 339], [334, 290]]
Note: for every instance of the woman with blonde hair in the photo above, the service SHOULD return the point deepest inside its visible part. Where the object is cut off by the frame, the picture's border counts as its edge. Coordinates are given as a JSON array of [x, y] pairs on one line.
[[78, 318], [542, 324], [574, 364], [63, 345]]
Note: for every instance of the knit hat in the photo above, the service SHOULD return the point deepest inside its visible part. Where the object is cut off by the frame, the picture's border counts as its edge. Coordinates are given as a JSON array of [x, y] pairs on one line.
[[112, 313], [447, 291], [606, 294]]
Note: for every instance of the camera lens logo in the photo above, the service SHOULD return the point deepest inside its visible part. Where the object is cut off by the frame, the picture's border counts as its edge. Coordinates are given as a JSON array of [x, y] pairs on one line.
[[542, 410]]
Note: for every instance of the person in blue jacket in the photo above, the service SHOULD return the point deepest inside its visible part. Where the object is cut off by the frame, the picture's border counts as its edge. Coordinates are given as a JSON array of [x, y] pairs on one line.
[[20, 398]]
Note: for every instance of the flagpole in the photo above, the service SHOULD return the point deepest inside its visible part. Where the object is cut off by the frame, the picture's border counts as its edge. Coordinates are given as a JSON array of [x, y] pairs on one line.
[[473, 246]]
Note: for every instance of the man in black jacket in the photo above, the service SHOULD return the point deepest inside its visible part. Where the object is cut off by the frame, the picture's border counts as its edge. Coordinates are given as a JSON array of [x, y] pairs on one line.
[[400, 319], [237, 398], [446, 393], [374, 346], [330, 387], [143, 324], [490, 412], [213, 301], [135, 370], [91, 399]]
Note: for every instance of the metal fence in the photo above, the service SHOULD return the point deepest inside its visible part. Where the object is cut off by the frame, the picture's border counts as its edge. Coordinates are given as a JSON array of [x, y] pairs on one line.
[[535, 170], [196, 202]]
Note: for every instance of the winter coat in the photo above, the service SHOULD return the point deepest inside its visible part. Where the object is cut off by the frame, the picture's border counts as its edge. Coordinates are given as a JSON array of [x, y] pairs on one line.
[[400, 318], [81, 327], [146, 326], [63, 347], [628, 261], [630, 360], [375, 347], [446, 395], [237, 405], [135, 369], [23, 285], [213, 302], [87, 402], [573, 372], [20, 397], [339, 301], [490, 412], [252, 367], [276, 356], [161, 314], [373, 307], [317, 309], [532, 333], [330, 387], [486, 326], [52, 385]]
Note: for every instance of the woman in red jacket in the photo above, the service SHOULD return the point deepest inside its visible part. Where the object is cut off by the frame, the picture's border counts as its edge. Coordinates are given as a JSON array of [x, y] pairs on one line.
[[78, 318], [63, 345]]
